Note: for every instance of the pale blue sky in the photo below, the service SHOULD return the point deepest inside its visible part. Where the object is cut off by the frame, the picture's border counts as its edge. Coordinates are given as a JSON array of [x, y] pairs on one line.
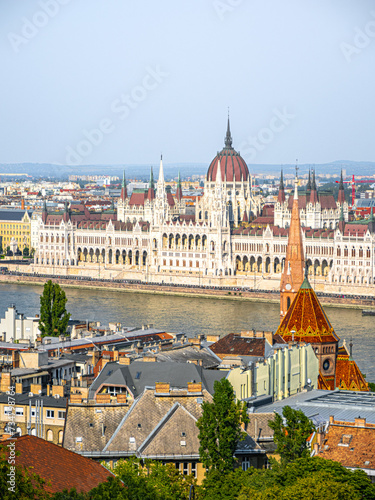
[[281, 67]]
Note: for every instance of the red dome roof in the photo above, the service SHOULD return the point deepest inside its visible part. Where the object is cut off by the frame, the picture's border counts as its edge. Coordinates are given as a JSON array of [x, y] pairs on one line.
[[233, 167]]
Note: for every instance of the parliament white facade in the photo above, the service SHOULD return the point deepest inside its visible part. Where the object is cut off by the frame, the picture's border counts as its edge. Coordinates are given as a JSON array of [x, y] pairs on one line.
[[232, 238]]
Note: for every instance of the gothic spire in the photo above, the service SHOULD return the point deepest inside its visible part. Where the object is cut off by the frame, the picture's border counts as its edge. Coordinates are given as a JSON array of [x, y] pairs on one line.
[[228, 137], [151, 187], [341, 186], [341, 195], [308, 187], [218, 173], [151, 183], [281, 195], [296, 185], [124, 192], [66, 216], [342, 219], [179, 189], [313, 182], [44, 213], [313, 194], [161, 170]]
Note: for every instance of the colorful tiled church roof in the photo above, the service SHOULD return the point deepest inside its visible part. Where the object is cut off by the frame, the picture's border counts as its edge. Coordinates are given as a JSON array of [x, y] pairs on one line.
[[305, 320], [348, 375]]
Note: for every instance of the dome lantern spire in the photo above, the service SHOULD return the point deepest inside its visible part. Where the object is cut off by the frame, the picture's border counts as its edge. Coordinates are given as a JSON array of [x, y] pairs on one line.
[[228, 137]]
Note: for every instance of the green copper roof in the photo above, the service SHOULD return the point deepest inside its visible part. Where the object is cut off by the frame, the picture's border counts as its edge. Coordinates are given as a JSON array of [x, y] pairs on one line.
[[306, 284]]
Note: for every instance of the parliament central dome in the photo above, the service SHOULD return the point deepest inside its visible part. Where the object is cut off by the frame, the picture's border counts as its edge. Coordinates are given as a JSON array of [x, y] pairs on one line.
[[233, 167]]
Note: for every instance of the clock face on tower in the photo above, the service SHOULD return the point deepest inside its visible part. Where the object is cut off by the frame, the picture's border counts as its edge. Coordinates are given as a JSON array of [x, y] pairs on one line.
[[288, 286], [326, 364]]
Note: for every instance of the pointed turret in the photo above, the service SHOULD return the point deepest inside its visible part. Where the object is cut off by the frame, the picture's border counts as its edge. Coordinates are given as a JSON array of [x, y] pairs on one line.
[[124, 192], [151, 187], [314, 193], [228, 137], [341, 195], [179, 189], [44, 212], [371, 224], [293, 276], [281, 195], [161, 171], [218, 175], [245, 217], [308, 185], [66, 215], [342, 220]]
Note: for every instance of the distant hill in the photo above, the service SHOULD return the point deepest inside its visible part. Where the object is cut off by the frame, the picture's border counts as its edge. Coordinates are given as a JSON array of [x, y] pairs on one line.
[[171, 170]]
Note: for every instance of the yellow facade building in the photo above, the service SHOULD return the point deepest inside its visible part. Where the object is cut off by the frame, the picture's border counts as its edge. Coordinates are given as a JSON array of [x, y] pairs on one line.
[[15, 230]]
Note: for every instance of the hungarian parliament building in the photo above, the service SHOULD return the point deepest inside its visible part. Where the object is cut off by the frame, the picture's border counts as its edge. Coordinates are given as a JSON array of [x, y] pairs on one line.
[[232, 238]]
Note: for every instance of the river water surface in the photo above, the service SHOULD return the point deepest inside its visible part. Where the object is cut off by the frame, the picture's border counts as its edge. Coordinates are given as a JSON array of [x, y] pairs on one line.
[[191, 315]]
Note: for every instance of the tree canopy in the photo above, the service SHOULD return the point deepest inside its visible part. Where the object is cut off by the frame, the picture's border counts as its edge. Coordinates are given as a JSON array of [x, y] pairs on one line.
[[53, 315], [291, 432], [220, 427]]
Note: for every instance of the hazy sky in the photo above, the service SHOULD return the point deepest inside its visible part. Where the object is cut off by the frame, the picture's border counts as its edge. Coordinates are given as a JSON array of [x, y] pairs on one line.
[[120, 81]]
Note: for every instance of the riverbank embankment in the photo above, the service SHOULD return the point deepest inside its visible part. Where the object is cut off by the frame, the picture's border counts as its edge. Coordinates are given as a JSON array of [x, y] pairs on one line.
[[182, 291]]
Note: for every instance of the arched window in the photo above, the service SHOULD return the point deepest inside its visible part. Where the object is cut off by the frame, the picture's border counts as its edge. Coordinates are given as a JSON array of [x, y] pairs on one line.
[[49, 435]]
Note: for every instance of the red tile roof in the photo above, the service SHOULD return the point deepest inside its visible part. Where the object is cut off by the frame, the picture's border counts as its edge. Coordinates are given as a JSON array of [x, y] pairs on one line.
[[327, 201], [351, 444], [60, 468], [138, 199], [235, 345]]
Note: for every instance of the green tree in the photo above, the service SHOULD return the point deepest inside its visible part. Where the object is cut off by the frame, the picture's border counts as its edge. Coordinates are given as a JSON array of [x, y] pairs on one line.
[[306, 478], [220, 428], [25, 252], [291, 433], [219, 486], [53, 315]]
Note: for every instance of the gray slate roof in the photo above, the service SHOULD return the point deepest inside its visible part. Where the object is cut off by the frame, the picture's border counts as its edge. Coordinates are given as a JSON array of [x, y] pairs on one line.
[[139, 375], [13, 215], [24, 399], [93, 424]]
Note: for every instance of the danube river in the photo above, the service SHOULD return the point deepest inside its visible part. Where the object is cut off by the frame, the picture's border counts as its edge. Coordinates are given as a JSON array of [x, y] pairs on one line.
[[191, 315]]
